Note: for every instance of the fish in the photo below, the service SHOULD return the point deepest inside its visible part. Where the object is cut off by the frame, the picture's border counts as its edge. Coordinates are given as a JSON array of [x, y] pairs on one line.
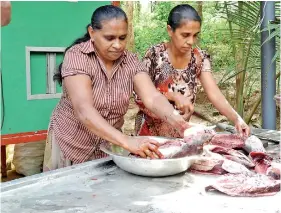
[[232, 154], [245, 185], [197, 135], [253, 144], [208, 166], [175, 148], [274, 170], [228, 141], [214, 163]]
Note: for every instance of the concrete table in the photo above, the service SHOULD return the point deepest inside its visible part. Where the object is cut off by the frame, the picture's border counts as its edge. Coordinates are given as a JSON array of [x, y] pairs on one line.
[[101, 187]]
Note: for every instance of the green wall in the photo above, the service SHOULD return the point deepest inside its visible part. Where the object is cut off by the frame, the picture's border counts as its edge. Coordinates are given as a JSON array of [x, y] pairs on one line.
[[44, 24]]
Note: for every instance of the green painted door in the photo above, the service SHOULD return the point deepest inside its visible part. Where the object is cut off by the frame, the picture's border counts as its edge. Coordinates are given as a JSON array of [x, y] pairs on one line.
[[36, 24]]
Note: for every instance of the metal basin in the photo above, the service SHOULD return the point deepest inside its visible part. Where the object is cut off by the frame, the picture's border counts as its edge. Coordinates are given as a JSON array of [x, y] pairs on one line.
[[147, 167]]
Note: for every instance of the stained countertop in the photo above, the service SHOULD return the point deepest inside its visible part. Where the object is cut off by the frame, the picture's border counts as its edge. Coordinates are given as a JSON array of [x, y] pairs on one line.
[[99, 186]]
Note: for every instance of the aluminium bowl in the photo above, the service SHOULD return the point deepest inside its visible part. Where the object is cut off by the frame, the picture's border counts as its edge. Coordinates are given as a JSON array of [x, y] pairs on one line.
[[148, 167]]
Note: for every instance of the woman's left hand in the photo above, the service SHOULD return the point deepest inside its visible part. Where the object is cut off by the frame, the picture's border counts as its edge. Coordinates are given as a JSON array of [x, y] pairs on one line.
[[242, 128]]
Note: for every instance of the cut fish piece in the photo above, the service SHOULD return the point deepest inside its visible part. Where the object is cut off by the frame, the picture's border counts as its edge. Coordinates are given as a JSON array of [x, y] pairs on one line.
[[253, 185], [198, 135], [228, 140]]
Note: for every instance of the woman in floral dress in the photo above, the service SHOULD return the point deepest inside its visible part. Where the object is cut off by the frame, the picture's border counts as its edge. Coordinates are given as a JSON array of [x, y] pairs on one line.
[[175, 68]]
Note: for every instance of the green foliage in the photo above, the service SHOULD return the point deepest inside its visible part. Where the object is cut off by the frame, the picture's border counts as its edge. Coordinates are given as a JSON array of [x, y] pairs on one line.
[[150, 28], [230, 33], [215, 38]]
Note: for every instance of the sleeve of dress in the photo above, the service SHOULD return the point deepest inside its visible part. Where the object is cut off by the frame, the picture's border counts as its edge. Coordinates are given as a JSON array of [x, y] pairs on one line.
[[74, 62], [204, 61], [146, 65], [206, 67]]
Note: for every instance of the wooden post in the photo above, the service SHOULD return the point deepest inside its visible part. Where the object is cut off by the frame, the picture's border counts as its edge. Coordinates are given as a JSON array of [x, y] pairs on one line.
[[116, 3], [3, 161]]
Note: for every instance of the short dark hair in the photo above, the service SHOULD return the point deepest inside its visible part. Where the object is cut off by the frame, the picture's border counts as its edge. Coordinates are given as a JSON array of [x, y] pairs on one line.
[[182, 12]]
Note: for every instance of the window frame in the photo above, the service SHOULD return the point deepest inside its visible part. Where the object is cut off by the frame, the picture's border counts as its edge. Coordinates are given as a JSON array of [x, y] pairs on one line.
[[51, 51]]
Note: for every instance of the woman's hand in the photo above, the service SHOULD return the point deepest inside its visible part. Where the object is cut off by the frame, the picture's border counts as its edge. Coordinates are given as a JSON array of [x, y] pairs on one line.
[[143, 147], [242, 128], [184, 104]]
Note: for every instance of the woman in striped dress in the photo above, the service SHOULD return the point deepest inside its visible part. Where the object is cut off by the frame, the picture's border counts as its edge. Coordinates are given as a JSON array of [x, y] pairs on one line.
[[98, 77]]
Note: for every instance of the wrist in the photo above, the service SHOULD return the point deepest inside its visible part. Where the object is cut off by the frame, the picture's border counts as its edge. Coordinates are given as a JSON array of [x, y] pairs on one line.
[[237, 119], [123, 140], [178, 121]]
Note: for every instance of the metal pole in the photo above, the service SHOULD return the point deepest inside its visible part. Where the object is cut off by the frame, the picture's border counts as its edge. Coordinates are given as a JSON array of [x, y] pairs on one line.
[[268, 69]]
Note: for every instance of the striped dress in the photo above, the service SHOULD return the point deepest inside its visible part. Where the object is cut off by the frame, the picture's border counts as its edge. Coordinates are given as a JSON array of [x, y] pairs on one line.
[[76, 143]]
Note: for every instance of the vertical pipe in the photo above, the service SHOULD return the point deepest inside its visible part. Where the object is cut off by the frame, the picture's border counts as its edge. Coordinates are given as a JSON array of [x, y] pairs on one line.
[[268, 69]]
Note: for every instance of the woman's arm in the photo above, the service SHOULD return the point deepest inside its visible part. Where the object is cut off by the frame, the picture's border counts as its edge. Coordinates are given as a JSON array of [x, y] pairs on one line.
[[80, 92], [5, 13], [216, 97], [156, 102], [219, 101]]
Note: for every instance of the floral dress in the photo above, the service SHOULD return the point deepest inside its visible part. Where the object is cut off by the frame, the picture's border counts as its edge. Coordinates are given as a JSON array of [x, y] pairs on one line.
[[168, 79]]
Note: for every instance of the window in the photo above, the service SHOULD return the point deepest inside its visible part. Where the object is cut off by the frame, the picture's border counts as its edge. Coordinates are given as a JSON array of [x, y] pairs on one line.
[[41, 65]]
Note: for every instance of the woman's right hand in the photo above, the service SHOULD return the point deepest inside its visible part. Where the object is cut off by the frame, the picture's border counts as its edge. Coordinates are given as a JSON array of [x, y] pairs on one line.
[[185, 105], [143, 147]]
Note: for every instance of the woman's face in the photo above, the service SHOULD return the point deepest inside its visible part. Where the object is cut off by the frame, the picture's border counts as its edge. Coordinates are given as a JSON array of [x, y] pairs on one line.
[[110, 41], [185, 36]]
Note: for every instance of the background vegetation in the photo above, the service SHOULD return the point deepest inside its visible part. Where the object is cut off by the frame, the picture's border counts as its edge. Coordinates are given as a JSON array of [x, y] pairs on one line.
[[231, 35]]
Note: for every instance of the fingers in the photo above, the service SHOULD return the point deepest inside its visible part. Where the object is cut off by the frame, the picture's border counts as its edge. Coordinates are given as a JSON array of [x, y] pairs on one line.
[[154, 143], [149, 153], [150, 149], [246, 131], [242, 130], [239, 130], [141, 153], [188, 110], [191, 108], [155, 150], [186, 116]]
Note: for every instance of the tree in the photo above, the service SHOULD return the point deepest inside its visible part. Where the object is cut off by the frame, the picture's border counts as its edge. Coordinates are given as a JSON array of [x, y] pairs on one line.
[[200, 12], [129, 8]]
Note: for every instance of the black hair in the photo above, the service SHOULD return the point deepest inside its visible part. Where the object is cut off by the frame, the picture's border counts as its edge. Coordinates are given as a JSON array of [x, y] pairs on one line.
[[102, 13], [182, 12]]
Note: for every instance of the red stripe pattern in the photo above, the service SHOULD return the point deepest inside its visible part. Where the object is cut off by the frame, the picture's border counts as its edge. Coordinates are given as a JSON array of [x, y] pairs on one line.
[[110, 96]]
